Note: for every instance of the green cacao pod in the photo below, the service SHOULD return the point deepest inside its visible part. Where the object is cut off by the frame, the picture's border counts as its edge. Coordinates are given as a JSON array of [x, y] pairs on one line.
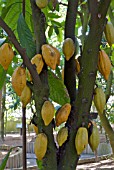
[[6, 55], [104, 64], [109, 33], [41, 3], [81, 140], [25, 96], [40, 146], [94, 139], [99, 99], [47, 112], [62, 114], [62, 135], [68, 48], [19, 80]]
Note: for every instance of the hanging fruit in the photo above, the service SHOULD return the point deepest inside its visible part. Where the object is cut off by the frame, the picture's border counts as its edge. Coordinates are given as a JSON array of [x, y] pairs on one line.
[[25, 96], [38, 61], [68, 48], [62, 135], [57, 54], [99, 99], [47, 112], [94, 138], [6, 55], [104, 64], [41, 3], [62, 114], [40, 146], [109, 33], [35, 129], [49, 56], [19, 80], [81, 140]]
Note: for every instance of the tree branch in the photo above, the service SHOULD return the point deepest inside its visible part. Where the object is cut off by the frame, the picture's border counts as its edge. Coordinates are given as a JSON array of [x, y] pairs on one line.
[[21, 51], [69, 76]]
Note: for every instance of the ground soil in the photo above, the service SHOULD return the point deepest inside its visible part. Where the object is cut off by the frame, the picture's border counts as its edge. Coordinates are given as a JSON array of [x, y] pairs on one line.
[[16, 140]]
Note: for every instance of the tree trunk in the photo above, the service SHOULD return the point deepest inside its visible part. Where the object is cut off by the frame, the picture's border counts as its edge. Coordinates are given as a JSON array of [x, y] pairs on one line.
[[0, 110], [3, 111]]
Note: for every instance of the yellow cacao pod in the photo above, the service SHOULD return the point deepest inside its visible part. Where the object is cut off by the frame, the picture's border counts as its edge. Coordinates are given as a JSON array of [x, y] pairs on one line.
[[40, 145], [77, 66], [35, 128], [19, 80], [38, 61], [47, 112], [94, 139], [109, 33], [68, 48], [104, 64], [62, 114], [49, 56], [99, 99], [6, 55], [57, 54], [81, 140], [62, 135], [25, 96], [41, 3]]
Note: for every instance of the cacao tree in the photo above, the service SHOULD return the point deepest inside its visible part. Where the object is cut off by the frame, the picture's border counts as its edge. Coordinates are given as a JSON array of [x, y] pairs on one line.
[[27, 27]]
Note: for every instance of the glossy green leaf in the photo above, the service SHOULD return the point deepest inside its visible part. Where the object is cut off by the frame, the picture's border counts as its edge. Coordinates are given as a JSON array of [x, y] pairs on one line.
[[50, 31], [4, 161], [57, 89], [25, 37]]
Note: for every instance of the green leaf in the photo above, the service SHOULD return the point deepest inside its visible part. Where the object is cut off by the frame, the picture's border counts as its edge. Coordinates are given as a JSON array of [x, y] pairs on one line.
[[25, 37], [2, 76], [50, 31], [39, 164], [4, 162], [52, 15], [57, 89]]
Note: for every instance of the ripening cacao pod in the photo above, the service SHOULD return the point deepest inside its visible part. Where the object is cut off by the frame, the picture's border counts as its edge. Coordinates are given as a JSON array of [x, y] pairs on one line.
[[57, 54], [19, 80], [40, 145], [77, 66], [109, 33], [62, 114], [68, 48], [49, 56], [47, 112], [6, 55], [35, 128], [99, 99], [104, 64], [81, 140], [25, 96], [41, 3], [62, 135], [38, 61], [94, 139]]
